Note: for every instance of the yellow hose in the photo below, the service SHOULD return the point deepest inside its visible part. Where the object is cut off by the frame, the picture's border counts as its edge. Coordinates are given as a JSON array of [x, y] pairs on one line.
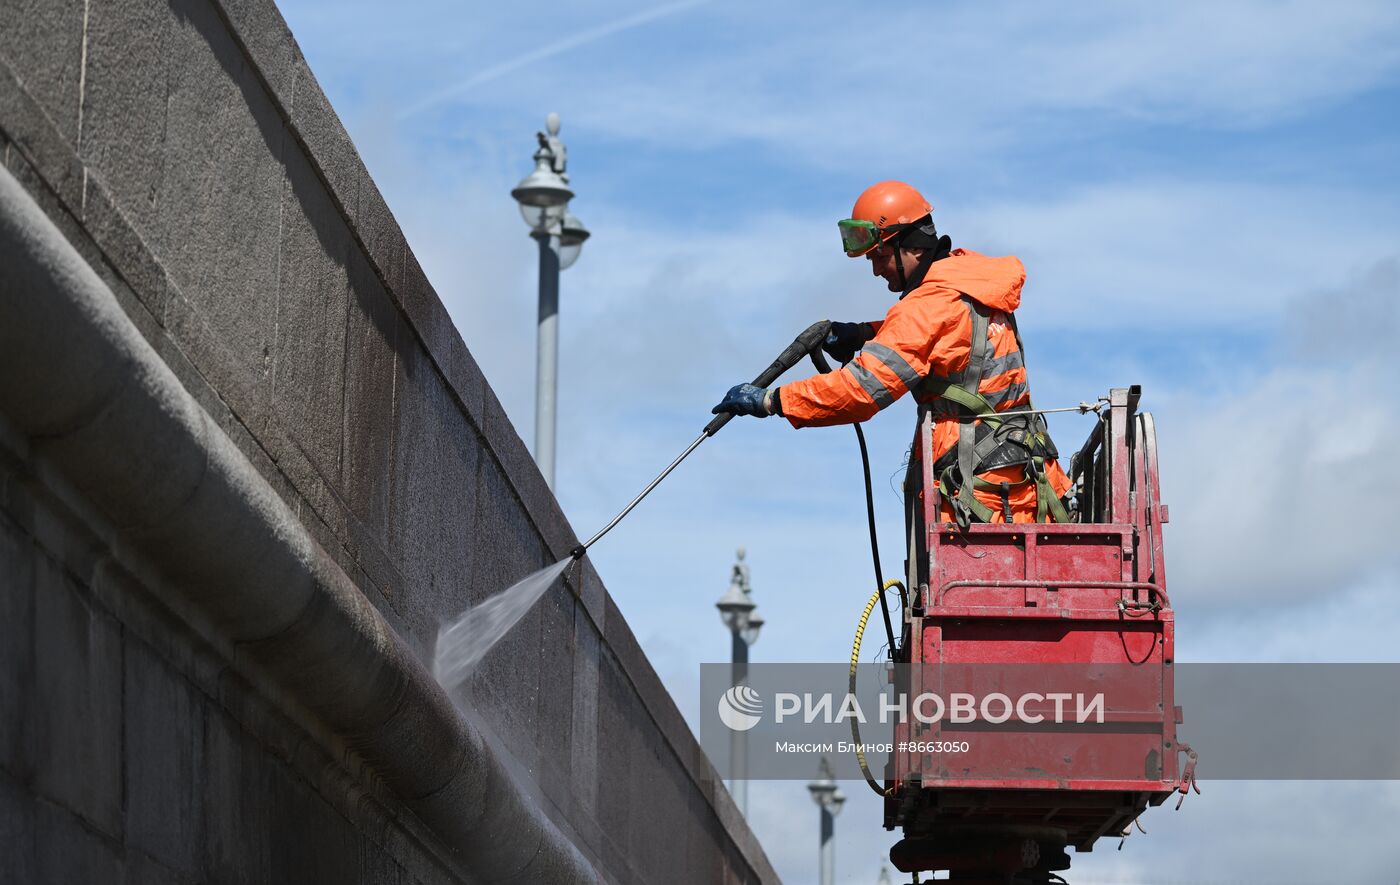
[[851, 688]]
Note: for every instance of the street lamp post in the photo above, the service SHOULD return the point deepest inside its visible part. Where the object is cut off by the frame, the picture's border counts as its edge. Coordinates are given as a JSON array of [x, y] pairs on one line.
[[740, 614], [544, 197], [829, 797]]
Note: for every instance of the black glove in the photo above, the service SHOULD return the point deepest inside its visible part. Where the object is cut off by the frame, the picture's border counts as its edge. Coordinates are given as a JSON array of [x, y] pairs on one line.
[[845, 339], [746, 399]]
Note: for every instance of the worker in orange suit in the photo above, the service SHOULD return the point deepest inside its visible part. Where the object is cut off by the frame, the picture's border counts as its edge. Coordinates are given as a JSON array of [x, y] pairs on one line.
[[951, 340]]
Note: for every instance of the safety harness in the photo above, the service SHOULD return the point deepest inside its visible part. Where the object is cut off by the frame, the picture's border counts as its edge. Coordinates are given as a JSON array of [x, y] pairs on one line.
[[986, 440]]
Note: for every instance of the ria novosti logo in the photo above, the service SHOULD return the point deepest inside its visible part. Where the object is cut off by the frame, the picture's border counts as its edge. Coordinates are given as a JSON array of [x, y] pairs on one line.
[[740, 708]]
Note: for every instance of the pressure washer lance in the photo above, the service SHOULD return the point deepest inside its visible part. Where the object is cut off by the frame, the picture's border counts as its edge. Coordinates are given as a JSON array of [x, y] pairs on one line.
[[809, 341], [464, 642]]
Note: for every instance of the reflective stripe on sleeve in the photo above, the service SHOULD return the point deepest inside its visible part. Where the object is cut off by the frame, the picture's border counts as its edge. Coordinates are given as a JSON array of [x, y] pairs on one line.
[[871, 385], [895, 363]]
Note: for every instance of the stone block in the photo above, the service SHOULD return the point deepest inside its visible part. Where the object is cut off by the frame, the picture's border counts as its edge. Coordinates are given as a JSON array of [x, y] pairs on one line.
[[315, 844], [504, 541], [375, 333], [319, 129], [432, 531], [42, 42], [376, 575], [308, 374], [526, 480], [705, 842], [17, 554], [165, 765], [505, 690], [17, 813], [379, 232], [617, 744], [377, 866], [593, 596], [220, 191], [505, 549], [315, 498], [143, 870], [236, 807], [37, 154], [263, 32], [434, 327], [76, 737], [583, 750], [66, 850], [244, 396], [465, 378], [422, 306], [649, 693], [123, 247], [656, 780], [125, 107], [555, 716], [417, 867], [736, 868]]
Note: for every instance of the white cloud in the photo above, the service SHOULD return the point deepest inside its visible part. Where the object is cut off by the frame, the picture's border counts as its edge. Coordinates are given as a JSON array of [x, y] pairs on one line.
[[1281, 482], [1336, 623], [906, 87], [807, 85], [1191, 255], [535, 56], [1229, 64]]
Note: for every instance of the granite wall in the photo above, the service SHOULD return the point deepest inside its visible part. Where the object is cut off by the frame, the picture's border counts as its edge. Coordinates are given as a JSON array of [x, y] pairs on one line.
[[187, 154]]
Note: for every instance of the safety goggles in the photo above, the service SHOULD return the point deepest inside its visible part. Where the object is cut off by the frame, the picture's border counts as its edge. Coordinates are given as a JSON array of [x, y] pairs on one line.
[[858, 237]]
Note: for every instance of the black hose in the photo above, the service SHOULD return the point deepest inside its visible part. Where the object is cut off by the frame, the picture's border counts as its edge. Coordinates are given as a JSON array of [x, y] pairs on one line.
[[819, 360], [874, 541]]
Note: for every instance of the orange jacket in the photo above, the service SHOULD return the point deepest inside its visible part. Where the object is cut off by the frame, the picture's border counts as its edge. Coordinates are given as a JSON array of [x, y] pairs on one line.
[[929, 331]]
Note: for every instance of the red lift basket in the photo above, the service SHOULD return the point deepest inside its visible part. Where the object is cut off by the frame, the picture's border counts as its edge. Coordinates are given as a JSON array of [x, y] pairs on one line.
[[1090, 592]]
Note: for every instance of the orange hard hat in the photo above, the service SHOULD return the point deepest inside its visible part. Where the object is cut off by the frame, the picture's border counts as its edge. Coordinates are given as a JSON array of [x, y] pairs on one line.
[[882, 211], [890, 202]]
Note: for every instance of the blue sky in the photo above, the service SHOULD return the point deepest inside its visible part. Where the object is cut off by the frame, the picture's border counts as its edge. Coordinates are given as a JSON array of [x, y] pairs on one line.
[[1204, 194]]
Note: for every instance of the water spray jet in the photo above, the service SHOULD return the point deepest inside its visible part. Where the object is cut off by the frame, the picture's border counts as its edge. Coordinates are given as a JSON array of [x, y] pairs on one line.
[[465, 641]]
